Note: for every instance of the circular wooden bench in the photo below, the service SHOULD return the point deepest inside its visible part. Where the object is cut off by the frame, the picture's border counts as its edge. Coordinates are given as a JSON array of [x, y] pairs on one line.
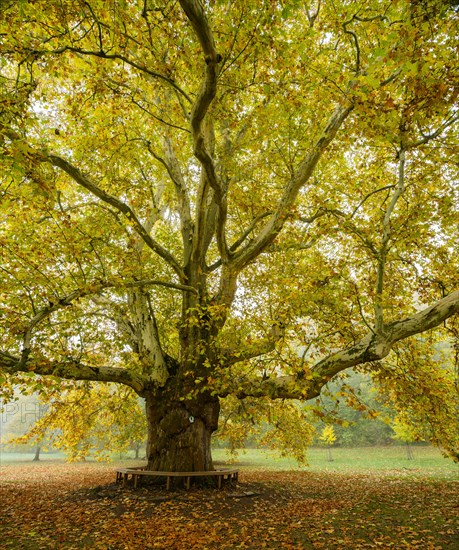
[[220, 475]]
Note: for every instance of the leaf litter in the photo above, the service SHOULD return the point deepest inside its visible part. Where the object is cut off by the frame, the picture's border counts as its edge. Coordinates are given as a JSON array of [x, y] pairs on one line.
[[78, 506]]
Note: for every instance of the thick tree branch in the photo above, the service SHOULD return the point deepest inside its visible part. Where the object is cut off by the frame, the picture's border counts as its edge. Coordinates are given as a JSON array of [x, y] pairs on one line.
[[242, 238], [248, 231], [356, 43], [100, 53], [172, 166], [226, 292], [90, 290], [384, 248], [373, 347], [122, 207], [198, 19], [202, 133], [72, 370], [147, 340], [426, 319], [194, 10], [305, 170], [260, 347]]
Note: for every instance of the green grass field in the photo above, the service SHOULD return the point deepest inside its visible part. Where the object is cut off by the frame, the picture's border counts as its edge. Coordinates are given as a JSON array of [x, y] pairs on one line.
[[426, 459], [9, 458]]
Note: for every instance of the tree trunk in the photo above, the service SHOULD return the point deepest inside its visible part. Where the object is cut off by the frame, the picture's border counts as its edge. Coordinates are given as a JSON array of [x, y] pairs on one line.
[[36, 458], [179, 432], [409, 452]]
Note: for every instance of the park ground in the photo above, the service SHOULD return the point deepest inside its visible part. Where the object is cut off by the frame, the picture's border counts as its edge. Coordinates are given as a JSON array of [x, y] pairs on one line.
[[365, 498]]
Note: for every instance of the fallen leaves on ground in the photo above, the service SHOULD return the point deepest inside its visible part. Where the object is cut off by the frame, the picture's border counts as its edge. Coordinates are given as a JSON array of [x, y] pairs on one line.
[[78, 506]]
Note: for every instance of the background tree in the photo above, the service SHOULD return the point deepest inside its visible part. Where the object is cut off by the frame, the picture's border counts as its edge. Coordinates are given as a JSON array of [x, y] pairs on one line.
[[96, 420], [328, 438], [18, 419], [80, 420], [192, 192], [404, 432], [360, 415], [285, 427]]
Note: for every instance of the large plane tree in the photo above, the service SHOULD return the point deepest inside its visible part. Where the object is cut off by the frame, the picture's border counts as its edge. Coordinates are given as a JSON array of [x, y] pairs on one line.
[[203, 199]]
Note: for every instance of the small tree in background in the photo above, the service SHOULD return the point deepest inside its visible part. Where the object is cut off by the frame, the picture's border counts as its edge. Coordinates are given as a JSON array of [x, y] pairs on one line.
[[328, 438], [82, 421], [18, 420], [406, 433]]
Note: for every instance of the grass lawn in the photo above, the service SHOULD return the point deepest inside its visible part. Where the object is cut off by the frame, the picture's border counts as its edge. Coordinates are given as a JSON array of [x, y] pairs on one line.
[[427, 460], [11, 458], [344, 459]]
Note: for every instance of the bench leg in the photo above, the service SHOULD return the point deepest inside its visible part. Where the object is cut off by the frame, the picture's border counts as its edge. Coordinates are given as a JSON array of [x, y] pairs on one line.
[[136, 479], [187, 482], [219, 478]]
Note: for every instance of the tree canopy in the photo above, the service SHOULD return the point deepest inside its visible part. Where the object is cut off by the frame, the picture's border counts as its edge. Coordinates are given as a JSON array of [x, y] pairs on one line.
[[210, 198]]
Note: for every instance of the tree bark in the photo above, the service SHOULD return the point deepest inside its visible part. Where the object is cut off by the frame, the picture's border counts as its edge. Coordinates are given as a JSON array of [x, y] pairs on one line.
[[36, 458], [179, 432], [409, 451]]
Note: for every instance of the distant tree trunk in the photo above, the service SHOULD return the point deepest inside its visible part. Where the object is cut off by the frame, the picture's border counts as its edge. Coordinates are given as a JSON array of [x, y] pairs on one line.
[[179, 432], [137, 450], [409, 451], [36, 458], [329, 455]]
